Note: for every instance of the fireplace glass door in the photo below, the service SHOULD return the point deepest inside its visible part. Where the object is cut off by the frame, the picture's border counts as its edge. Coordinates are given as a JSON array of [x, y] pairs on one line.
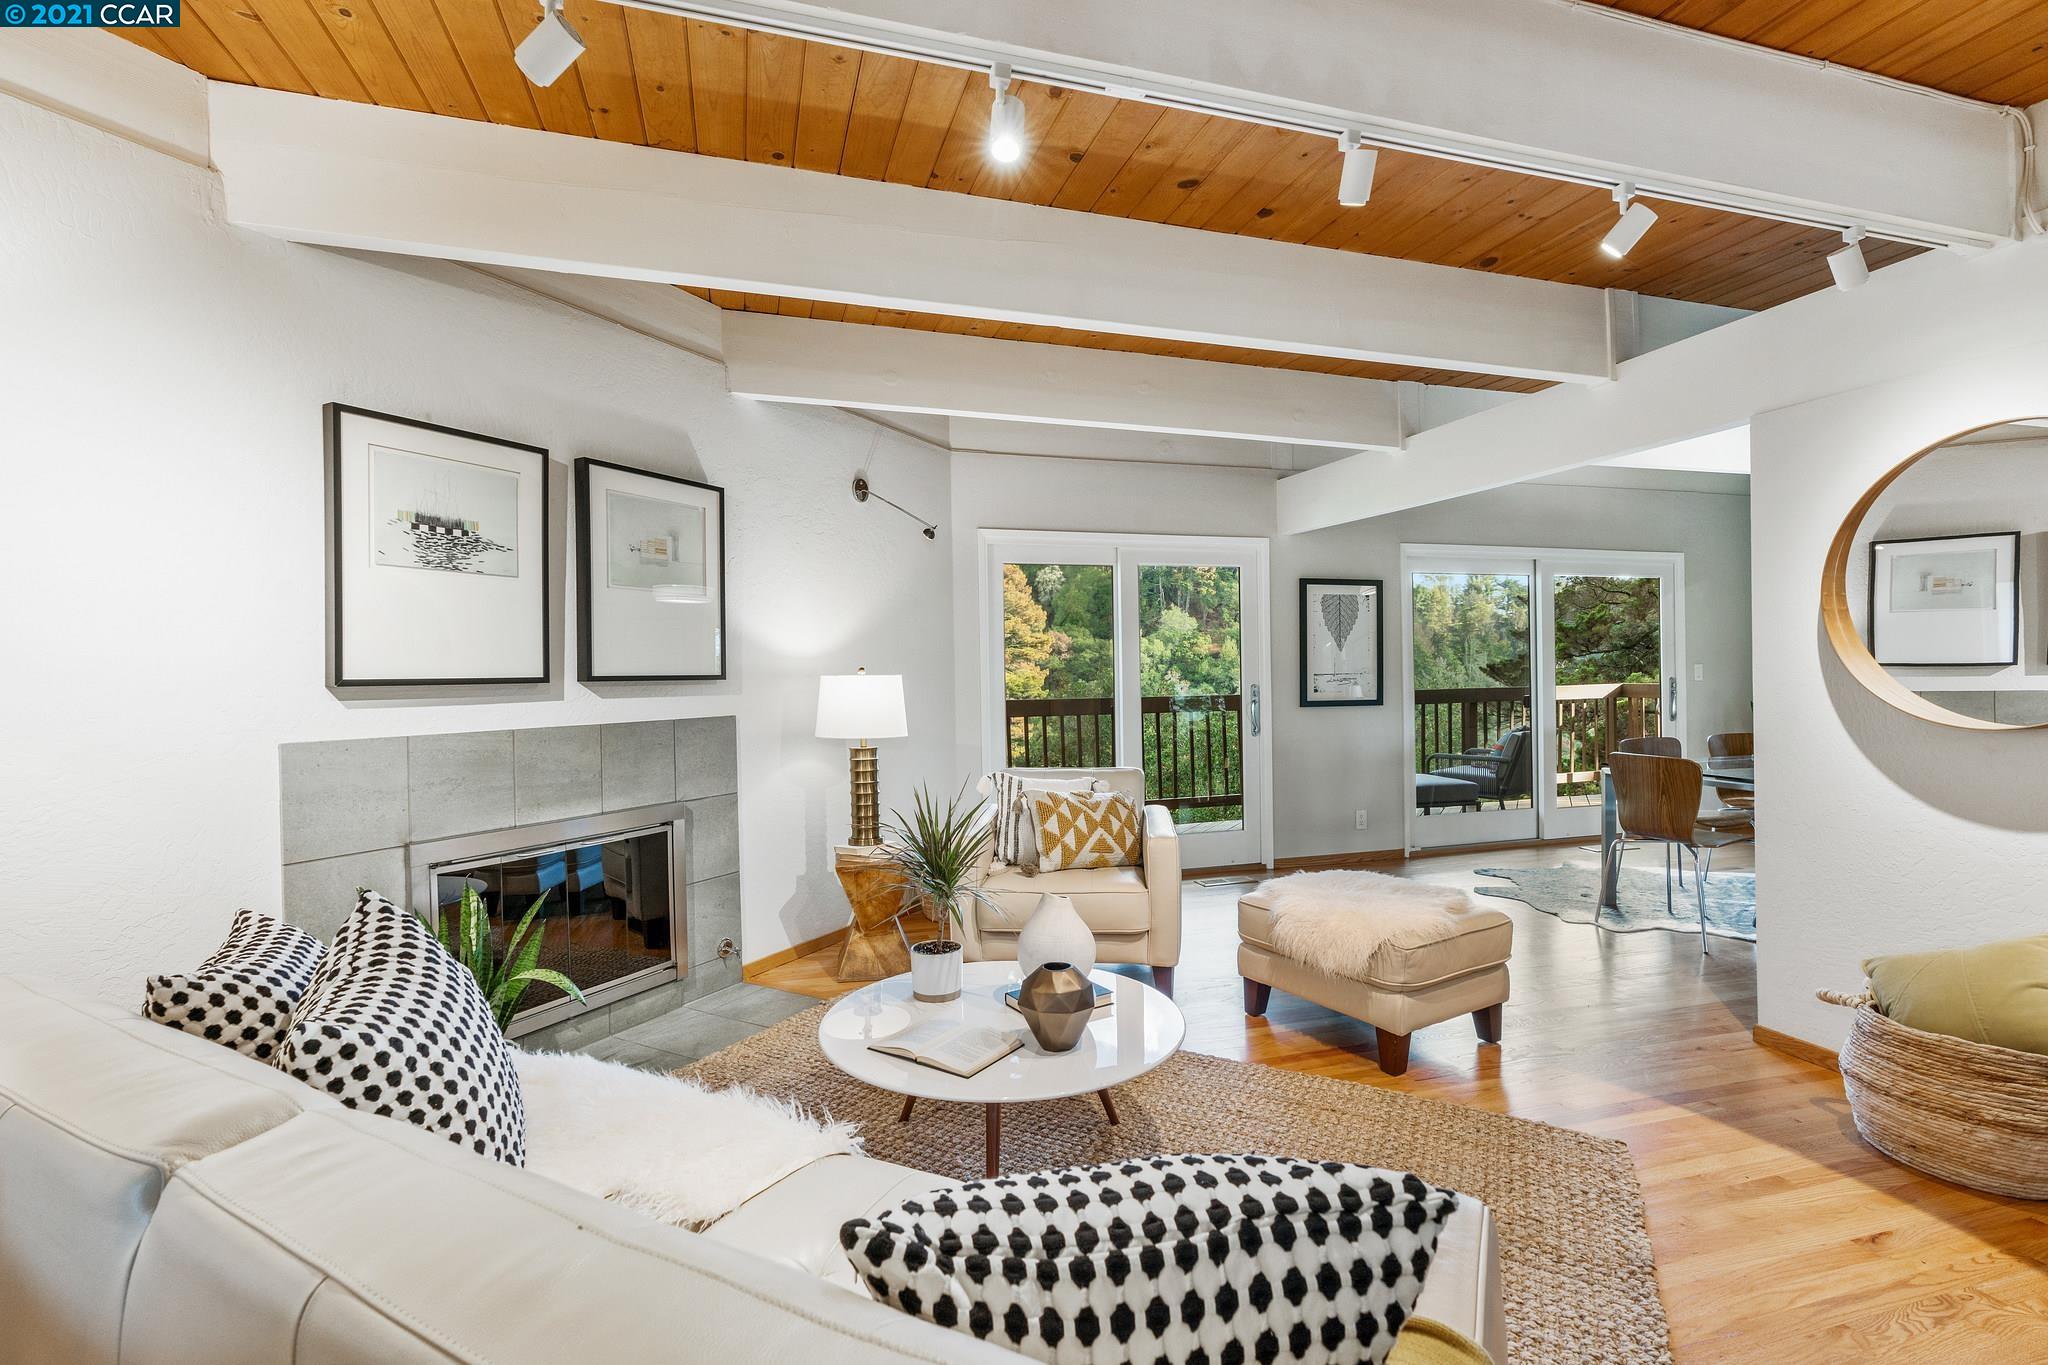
[[606, 913]]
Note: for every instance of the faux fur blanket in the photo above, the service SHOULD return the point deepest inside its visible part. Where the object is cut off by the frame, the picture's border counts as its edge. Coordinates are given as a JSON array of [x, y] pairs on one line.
[[666, 1147], [1336, 921]]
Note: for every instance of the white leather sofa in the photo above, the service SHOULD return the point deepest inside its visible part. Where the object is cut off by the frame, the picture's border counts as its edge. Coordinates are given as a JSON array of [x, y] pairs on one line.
[[1133, 911], [166, 1201]]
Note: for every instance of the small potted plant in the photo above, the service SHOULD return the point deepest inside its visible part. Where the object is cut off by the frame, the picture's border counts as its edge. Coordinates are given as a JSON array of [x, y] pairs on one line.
[[938, 850]]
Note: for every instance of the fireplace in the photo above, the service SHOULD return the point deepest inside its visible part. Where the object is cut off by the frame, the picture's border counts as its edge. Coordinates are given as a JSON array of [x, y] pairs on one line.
[[613, 895]]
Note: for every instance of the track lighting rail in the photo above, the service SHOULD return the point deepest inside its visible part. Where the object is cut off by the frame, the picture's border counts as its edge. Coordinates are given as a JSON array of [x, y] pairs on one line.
[[968, 54]]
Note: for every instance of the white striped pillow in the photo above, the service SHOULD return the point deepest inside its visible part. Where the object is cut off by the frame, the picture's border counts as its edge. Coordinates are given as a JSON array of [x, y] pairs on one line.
[[1016, 844]]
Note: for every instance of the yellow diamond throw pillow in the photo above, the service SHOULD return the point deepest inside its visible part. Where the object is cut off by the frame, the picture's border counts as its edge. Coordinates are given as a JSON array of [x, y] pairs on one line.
[[1085, 829]]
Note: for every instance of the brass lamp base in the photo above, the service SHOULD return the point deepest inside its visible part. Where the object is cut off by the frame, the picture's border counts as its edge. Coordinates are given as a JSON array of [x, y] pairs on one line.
[[867, 797]]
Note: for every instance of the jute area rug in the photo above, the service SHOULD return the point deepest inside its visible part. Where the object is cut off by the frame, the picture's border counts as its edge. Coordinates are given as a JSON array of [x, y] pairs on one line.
[[1579, 1282]]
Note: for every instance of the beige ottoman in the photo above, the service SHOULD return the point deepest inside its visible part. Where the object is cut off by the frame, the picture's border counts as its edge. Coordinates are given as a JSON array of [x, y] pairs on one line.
[[1413, 983]]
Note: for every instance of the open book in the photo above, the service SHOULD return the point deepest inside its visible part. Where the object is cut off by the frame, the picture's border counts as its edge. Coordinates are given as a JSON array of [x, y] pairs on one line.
[[962, 1049]]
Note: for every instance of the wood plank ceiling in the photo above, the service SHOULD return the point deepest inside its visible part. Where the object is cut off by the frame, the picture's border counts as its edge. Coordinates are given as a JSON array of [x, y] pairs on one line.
[[662, 81], [1993, 50]]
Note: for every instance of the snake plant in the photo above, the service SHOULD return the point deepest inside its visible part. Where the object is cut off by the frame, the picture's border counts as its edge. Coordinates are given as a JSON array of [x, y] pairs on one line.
[[938, 850], [503, 980]]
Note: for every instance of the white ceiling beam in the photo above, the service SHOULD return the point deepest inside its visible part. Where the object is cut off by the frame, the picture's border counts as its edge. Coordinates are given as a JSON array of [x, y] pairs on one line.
[[980, 436], [1933, 311], [338, 174], [799, 360], [93, 77], [2037, 119], [1561, 89]]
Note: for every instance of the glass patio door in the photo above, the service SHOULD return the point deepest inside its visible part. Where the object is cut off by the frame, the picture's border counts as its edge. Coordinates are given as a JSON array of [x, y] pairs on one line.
[[1525, 668], [1195, 710], [1138, 651], [1473, 690], [1610, 623]]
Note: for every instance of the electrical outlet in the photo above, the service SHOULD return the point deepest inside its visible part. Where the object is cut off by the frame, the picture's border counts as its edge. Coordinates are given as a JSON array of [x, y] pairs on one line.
[[1361, 819], [1699, 672]]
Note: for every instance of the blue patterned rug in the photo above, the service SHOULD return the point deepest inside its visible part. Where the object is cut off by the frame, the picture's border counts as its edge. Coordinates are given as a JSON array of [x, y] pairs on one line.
[[1569, 893]]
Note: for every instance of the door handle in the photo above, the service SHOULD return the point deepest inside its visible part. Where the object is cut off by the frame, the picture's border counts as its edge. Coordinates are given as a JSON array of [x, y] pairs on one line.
[[1671, 695], [1255, 710]]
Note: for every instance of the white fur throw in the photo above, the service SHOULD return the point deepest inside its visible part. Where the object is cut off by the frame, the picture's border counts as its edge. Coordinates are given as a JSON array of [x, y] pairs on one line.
[[661, 1145], [1336, 921]]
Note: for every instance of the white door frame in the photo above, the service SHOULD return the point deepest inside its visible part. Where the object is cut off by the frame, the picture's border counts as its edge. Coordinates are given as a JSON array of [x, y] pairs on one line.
[[998, 547], [1543, 562]]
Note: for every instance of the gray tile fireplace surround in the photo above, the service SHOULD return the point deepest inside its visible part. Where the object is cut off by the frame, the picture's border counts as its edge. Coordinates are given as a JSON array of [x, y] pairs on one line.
[[350, 807]]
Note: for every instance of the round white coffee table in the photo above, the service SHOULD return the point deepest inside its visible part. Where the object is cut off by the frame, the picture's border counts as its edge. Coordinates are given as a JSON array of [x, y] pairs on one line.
[[1142, 1030]]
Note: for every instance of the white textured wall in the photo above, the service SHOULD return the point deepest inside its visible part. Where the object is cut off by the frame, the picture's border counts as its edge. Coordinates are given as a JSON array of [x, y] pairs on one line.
[[161, 550], [1880, 833], [1329, 762]]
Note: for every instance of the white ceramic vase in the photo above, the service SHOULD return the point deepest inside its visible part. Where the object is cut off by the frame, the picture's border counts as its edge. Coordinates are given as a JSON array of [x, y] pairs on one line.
[[1055, 933], [935, 977]]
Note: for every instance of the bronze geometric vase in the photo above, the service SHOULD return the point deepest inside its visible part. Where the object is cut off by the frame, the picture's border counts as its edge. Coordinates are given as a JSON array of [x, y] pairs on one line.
[[1057, 1002]]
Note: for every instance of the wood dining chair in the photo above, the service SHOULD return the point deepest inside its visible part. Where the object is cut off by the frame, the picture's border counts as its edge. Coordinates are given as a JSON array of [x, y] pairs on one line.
[[1733, 744], [1664, 746], [1657, 800]]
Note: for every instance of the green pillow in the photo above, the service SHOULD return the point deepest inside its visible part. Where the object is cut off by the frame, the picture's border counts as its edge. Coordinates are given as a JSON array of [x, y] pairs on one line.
[[1994, 993]]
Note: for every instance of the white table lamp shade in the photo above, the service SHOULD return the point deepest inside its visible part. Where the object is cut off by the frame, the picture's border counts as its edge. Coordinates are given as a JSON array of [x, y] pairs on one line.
[[861, 706]]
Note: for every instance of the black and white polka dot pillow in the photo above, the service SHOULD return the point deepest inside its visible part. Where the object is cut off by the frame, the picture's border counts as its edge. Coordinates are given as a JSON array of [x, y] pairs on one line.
[[395, 1026], [241, 996], [1172, 1258]]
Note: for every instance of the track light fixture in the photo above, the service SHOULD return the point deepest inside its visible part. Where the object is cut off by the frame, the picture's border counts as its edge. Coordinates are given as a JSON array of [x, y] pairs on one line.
[[552, 48], [1847, 263], [1005, 118], [1635, 220], [1354, 182]]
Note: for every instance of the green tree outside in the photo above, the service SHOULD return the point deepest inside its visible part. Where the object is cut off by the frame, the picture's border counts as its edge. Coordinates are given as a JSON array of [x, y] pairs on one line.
[[1059, 643]]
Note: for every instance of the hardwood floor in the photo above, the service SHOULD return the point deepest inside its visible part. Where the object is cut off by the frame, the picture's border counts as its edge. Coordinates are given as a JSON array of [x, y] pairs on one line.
[[1779, 1234]]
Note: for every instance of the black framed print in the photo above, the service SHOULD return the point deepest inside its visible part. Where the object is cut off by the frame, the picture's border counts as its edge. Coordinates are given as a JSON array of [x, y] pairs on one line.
[[1343, 642], [1945, 601], [650, 580], [438, 569]]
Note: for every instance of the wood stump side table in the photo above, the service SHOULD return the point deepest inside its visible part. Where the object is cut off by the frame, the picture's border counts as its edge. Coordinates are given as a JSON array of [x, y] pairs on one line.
[[874, 946]]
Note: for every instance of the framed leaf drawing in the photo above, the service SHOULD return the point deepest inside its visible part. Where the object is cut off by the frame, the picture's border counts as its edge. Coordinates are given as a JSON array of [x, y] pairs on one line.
[[438, 567], [1343, 639], [650, 585]]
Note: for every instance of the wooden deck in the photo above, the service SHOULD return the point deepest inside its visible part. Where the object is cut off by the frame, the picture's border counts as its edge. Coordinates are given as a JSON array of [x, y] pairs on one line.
[[1779, 1235]]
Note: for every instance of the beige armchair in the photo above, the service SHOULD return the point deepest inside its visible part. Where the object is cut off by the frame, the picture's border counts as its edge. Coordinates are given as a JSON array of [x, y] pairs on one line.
[[1133, 911]]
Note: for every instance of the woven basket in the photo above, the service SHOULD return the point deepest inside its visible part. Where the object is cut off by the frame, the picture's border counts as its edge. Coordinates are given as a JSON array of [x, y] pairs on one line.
[[1966, 1112]]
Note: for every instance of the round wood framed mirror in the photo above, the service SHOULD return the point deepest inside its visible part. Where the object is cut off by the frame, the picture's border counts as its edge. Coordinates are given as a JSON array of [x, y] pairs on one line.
[[1931, 594]]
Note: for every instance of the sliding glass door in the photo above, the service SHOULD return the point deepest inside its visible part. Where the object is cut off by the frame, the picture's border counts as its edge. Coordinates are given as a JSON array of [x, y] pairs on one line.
[[1612, 652], [1524, 669], [1142, 651], [1472, 646]]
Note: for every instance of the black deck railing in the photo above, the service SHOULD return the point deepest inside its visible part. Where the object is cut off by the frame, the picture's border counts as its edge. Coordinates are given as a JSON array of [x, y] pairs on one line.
[[1193, 746]]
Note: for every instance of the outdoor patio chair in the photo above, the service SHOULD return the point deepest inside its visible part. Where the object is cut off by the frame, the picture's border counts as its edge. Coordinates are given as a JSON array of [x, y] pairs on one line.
[[1500, 772]]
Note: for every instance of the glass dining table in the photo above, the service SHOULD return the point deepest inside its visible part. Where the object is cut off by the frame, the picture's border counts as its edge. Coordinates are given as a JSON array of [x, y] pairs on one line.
[[1734, 773]]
